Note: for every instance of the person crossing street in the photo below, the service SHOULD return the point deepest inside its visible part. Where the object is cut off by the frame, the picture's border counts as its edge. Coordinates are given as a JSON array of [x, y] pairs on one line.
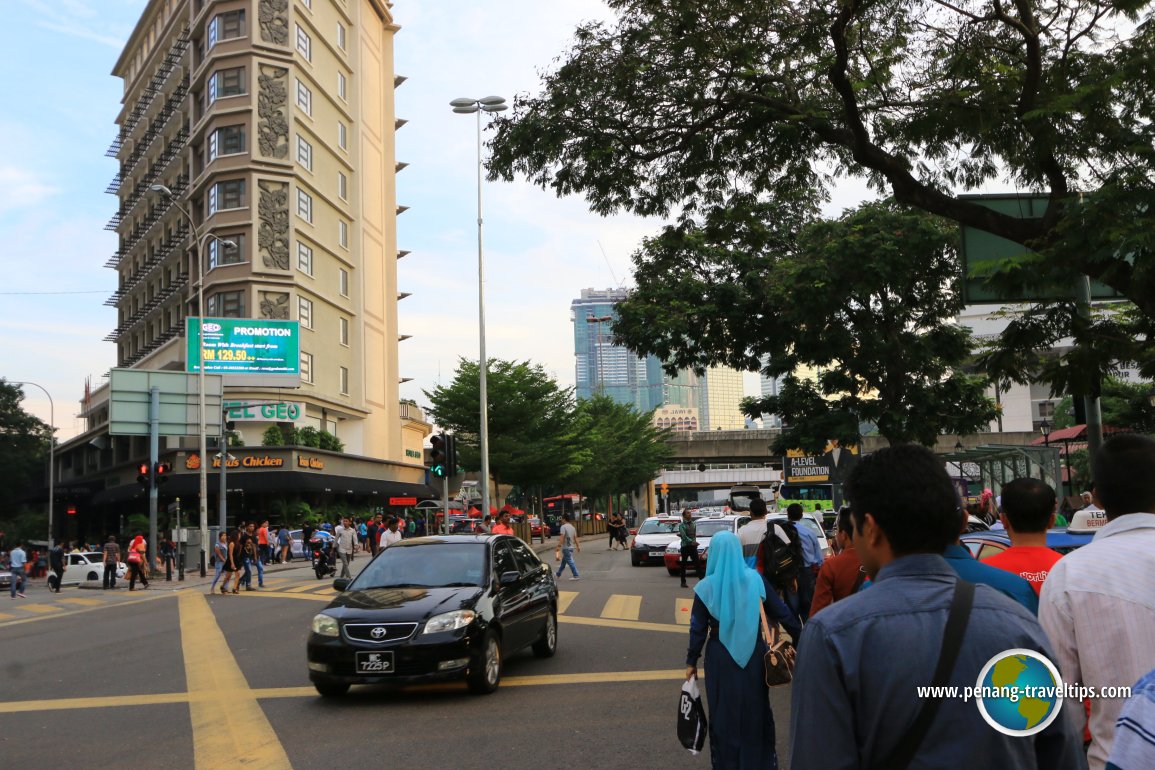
[[688, 534], [567, 543]]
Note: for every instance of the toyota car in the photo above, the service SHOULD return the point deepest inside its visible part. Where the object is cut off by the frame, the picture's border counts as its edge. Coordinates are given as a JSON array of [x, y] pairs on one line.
[[430, 608]]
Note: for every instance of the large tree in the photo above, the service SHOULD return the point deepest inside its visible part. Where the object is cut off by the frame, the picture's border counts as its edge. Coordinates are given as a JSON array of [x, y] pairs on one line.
[[623, 449], [681, 107], [865, 303], [24, 442], [532, 434]]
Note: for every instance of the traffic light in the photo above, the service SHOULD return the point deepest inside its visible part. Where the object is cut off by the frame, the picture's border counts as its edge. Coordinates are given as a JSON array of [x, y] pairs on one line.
[[437, 465], [144, 477], [163, 473], [450, 447]]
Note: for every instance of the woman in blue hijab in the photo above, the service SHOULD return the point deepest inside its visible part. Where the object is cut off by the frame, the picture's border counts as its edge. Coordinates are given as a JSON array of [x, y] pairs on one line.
[[726, 621]]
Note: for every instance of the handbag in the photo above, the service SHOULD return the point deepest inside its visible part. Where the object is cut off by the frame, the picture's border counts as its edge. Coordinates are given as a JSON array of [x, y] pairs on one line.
[[780, 658]]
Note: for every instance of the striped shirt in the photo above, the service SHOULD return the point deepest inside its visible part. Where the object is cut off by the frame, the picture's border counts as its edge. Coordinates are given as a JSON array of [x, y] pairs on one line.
[[1135, 731], [1098, 608]]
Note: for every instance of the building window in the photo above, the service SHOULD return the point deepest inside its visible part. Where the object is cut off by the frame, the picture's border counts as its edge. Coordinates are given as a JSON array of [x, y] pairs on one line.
[[226, 26], [304, 97], [305, 205], [224, 254], [307, 3], [342, 185], [344, 381], [345, 332], [226, 304], [304, 43], [305, 312], [341, 83], [342, 135], [304, 152], [304, 258], [341, 36], [226, 195], [343, 233], [227, 140], [230, 82], [306, 367], [343, 281]]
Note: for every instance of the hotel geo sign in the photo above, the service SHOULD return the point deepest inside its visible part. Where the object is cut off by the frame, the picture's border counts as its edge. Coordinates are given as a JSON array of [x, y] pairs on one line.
[[274, 411]]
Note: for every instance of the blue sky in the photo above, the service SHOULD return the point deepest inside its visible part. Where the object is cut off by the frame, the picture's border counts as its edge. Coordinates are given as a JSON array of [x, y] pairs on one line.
[[540, 251]]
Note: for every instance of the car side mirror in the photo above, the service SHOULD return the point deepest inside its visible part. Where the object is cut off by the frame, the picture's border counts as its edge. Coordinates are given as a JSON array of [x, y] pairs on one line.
[[509, 578], [341, 584]]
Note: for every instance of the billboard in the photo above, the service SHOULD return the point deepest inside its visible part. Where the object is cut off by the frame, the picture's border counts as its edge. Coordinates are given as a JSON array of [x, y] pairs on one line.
[[830, 467], [243, 347], [677, 418]]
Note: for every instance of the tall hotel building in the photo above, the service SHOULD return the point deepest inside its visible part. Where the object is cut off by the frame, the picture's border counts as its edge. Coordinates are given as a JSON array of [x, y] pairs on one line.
[[272, 124]]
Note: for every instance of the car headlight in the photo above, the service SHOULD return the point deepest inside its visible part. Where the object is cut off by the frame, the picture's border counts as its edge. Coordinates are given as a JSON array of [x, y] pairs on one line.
[[449, 621], [325, 625]]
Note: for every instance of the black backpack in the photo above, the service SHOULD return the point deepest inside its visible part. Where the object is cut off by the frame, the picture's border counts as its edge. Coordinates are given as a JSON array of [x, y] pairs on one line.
[[781, 562]]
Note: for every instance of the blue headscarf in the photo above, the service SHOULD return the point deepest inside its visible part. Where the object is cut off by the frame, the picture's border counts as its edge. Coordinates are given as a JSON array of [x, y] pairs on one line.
[[732, 592]]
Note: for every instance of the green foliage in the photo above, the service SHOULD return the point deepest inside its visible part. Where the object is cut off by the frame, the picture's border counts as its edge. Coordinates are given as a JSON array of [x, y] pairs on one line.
[[865, 301], [1124, 405], [328, 441], [309, 437], [24, 442], [273, 436], [679, 107], [621, 447], [235, 439]]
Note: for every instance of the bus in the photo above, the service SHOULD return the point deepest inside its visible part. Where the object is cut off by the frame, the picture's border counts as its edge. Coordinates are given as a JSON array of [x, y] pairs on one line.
[[811, 496], [553, 508], [741, 495]]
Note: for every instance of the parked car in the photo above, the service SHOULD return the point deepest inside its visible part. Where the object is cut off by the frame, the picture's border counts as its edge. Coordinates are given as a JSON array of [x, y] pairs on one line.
[[649, 544], [534, 526], [428, 608], [706, 528], [86, 567], [298, 549], [5, 578]]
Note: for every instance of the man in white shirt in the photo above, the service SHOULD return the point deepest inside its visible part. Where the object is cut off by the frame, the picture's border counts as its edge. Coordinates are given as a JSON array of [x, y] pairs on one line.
[[1098, 604], [391, 534], [751, 533], [346, 541]]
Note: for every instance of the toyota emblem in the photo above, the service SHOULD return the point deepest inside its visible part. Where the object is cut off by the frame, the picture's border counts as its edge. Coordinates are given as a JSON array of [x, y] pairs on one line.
[[378, 633]]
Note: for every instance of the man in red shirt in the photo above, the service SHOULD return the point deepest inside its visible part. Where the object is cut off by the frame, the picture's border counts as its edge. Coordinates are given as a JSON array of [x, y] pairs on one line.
[[840, 575], [263, 552], [502, 527], [1028, 512]]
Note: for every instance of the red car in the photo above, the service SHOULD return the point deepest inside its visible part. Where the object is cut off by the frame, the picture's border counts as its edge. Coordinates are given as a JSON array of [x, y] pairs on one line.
[[706, 528], [534, 526]]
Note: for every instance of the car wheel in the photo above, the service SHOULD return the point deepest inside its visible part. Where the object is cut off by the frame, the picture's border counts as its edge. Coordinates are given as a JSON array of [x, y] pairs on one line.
[[546, 646], [331, 689], [634, 560], [485, 669], [673, 572], [93, 576]]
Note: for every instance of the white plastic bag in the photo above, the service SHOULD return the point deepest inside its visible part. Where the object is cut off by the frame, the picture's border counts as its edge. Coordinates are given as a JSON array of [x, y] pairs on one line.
[[691, 717]]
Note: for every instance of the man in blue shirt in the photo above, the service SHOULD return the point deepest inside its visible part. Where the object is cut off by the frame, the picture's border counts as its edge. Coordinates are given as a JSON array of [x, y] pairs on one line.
[[969, 568], [811, 561], [17, 561], [862, 660]]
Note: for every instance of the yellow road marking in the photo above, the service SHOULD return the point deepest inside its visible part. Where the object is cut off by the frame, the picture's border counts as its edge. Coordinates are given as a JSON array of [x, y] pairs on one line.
[[682, 609], [84, 602], [5, 616], [565, 599], [40, 608], [622, 607], [633, 625], [285, 595], [231, 724], [301, 588], [103, 605]]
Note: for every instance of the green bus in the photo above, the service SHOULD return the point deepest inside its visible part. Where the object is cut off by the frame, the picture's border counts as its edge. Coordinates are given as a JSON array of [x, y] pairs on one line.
[[811, 496]]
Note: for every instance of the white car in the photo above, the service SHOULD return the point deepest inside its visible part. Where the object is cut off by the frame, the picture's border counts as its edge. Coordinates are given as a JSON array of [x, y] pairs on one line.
[[649, 544], [297, 549], [88, 566], [705, 529]]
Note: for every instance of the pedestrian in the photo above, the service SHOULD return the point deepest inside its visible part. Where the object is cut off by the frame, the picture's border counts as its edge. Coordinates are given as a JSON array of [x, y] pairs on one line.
[[959, 557], [137, 560], [487, 524], [1134, 745], [1088, 497], [56, 564], [502, 527], [861, 660], [285, 544], [346, 543], [264, 553], [233, 562], [221, 559], [841, 575], [567, 543], [1098, 603], [612, 527], [725, 619], [1029, 508], [111, 562], [245, 553], [812, 559], [372, 536], [306, 537], [253, 559], [688, 546], [391, 534], [18, 566]]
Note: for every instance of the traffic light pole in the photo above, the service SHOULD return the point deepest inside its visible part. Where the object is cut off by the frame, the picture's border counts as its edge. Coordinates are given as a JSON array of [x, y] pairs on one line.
[[445, 502], [153, 459]]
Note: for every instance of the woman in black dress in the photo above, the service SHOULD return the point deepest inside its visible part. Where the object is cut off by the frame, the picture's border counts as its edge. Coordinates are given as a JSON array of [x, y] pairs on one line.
[[726, 621]]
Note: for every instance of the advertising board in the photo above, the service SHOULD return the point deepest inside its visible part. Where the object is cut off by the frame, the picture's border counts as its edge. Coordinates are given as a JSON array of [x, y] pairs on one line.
[[244, 347]]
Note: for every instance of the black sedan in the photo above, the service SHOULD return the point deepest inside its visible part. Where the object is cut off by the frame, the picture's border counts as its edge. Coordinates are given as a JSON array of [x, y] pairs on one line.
[[434, 608]]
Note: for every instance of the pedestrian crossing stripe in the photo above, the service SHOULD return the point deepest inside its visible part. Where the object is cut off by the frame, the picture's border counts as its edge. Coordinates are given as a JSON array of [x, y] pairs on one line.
[[6, 616], [622, 607], [83, 602], [42, 609], [564, 599], [682, 609], [300, 589]]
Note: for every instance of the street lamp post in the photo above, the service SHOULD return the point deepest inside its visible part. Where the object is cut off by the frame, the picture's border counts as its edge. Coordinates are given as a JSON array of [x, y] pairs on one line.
[[466, 106], [204, 454], [1045, 429], [51, 452], [598, 361]]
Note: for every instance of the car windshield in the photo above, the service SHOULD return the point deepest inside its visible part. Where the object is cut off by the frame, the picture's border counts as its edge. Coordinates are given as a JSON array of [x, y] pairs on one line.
[[807, 521], [711, 528], [655, 527], [432, 565]]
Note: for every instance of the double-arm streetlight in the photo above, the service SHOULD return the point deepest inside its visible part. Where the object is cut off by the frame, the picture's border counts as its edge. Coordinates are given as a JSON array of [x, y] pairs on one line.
[[466, 106], [201, 239], [51, 451]]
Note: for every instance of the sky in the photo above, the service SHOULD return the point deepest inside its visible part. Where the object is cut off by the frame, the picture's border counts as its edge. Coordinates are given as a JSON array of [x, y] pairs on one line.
[[540, 251]]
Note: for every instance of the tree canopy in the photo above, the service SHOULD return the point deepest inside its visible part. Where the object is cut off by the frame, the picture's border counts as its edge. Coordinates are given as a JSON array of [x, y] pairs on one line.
[[622, 447], [24, 442], [1125, 405], [690, 109]]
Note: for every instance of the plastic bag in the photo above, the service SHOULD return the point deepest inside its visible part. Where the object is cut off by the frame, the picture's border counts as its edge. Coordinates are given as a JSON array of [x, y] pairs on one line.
[[691, 717]]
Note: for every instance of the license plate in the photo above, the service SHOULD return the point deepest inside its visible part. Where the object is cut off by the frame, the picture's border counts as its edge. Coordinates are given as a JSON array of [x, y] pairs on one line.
[[375, 662], [658, 554]]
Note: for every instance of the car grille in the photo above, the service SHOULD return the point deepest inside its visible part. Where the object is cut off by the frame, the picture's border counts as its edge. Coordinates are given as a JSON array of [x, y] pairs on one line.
[[393, 632]]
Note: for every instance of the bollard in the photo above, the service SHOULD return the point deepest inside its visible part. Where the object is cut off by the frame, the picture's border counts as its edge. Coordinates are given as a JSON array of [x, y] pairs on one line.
[[180, 569]]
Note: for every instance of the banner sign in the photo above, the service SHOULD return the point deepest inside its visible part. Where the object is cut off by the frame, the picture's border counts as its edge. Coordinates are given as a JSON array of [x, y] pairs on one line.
[[245, 346], [832, 466], [402, 501], [273, 411]]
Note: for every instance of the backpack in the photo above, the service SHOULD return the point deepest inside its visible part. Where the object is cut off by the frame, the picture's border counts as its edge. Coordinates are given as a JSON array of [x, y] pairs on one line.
[[781, 562]]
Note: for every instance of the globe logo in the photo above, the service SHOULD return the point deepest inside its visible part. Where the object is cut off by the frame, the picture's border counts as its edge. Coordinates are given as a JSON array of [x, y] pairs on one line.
[[1019, 692]]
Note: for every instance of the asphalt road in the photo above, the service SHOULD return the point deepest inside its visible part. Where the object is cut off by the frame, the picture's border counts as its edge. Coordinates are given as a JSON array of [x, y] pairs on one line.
[[148, 674]]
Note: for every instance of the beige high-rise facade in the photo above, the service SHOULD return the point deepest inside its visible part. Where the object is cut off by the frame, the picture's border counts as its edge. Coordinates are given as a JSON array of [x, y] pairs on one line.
[[272, 122], [720, 394]]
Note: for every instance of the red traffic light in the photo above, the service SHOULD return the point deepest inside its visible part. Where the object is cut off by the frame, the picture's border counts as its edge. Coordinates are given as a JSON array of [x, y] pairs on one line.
[[72, 510], [143, 469]]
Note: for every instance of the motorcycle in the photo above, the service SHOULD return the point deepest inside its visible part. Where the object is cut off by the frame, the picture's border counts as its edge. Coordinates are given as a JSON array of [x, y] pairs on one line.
[[324, 560]]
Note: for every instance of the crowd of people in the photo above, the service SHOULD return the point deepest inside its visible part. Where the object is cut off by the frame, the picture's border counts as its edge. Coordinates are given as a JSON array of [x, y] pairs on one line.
[[876, 628]]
